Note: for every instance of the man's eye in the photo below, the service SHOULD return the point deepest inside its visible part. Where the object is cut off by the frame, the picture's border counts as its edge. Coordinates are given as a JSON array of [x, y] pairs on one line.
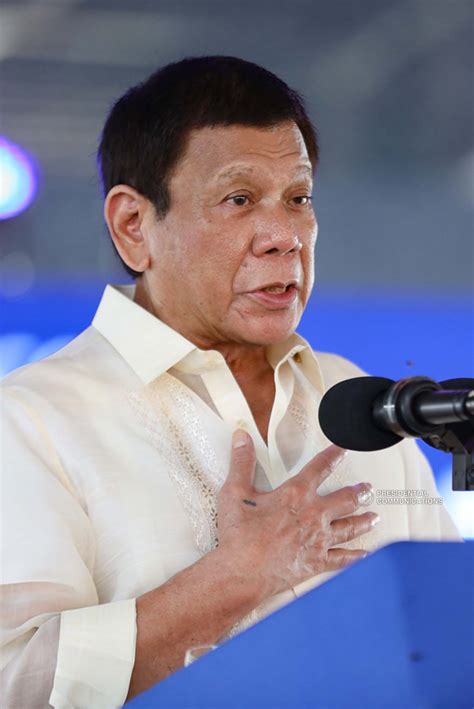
[[302, 200], [240, 200]]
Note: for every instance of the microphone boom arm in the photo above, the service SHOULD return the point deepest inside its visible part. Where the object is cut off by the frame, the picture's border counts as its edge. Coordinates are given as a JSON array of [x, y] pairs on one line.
[[453, 436]]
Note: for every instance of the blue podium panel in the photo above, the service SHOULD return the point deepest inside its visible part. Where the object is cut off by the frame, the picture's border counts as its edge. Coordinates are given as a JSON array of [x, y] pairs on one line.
[[393, 630]]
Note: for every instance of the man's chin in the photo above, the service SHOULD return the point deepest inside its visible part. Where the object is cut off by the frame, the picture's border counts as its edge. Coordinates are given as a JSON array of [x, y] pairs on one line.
[[265, 334]]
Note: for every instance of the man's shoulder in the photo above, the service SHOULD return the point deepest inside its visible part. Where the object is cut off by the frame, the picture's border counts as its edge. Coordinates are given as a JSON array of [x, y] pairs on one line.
[[81, 362], [335, 368]]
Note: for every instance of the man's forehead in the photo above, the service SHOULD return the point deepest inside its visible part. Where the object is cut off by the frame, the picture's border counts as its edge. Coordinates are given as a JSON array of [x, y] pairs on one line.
[[226, 152]]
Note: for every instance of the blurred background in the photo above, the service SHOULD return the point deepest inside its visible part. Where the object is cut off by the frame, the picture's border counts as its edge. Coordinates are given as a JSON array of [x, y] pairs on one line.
[[389, 86]]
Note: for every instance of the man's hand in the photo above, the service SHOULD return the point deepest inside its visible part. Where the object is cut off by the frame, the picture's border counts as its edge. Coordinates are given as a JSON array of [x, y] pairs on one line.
[[288, 535], [268, 542]]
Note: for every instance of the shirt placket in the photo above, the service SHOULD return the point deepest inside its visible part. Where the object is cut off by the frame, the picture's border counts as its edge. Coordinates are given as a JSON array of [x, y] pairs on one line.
[[234, 409], [284, 387]]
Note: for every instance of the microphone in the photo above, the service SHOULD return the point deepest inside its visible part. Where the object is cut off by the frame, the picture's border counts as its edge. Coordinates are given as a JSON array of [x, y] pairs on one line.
[[373, 413]]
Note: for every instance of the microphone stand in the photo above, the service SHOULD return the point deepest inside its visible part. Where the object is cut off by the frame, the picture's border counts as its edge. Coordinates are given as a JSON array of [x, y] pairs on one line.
[[458, 439]]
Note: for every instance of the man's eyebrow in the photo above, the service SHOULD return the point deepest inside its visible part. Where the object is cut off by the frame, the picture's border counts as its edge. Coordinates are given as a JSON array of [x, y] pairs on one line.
[[304, 167], [236, 171]]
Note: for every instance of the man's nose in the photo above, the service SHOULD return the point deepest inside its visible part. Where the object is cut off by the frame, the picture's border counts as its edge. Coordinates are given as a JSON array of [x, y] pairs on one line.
[[276, 234]]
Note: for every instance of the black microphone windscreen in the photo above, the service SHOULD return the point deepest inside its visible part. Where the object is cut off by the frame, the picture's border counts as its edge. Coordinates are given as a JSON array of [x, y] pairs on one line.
[[462, 383], [346, 415]]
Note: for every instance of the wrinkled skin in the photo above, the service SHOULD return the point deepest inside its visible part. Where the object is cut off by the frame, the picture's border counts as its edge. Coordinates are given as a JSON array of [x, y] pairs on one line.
[[240, 202], [291, 530]]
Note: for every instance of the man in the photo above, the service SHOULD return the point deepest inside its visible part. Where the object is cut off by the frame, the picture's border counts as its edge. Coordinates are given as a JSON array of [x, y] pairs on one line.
[[134, 529]]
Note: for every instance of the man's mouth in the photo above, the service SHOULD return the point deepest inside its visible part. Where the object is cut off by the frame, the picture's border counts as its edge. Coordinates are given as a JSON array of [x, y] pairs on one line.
[[276, 296], [277, 287]]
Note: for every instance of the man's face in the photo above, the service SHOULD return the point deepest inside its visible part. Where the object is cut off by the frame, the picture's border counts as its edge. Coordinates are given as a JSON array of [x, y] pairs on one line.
[[240, 208]]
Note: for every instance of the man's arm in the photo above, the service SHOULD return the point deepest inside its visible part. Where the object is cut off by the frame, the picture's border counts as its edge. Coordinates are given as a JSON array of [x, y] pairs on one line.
[[197, 606], [51, 619], [27, 679]]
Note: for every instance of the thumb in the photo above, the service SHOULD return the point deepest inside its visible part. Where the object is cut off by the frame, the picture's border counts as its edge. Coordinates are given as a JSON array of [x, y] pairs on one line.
[[242, 461]]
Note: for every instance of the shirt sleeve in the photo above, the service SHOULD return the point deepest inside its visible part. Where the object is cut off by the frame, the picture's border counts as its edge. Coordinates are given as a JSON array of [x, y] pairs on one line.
[[428, 520], [59, 646]]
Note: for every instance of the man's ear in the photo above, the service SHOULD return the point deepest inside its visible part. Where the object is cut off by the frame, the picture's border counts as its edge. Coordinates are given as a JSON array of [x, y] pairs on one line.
[[124, 211]]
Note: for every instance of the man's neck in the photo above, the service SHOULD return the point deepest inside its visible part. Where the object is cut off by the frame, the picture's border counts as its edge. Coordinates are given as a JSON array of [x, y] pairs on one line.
[[246, 363]]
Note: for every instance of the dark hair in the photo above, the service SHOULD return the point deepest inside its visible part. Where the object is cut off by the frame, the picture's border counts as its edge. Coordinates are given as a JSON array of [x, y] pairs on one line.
[[147, 129]]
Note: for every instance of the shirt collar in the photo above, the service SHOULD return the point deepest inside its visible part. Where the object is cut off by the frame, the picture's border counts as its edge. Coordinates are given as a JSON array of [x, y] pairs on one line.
[[146, 343], [151, 347]]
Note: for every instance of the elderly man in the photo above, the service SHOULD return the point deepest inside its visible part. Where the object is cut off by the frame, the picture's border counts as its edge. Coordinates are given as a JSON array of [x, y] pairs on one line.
[[165, 480]]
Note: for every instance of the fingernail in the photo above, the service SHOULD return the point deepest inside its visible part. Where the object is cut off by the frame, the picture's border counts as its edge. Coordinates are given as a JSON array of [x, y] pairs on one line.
[[239, 438], [365, 496], [375, 520]]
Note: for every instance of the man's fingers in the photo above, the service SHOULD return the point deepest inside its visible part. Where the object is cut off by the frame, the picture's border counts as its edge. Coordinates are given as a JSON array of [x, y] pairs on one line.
[[343, 530], [347, 500], [339, 558], [242, 461], [321, 466]]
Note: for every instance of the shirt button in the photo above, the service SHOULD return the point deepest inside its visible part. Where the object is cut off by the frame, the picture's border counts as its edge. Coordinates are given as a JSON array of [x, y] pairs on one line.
[[240, 423], [297, 358]]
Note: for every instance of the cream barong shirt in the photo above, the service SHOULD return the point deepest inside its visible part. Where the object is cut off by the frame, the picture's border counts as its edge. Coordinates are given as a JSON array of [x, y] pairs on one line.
[[113, 451]]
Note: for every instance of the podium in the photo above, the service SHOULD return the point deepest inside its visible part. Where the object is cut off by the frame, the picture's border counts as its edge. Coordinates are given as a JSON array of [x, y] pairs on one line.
[[393, 630]]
